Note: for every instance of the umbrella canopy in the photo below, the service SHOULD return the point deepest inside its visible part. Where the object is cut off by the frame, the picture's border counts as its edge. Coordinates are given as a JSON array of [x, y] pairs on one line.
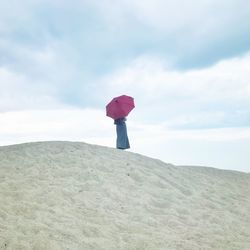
[[120, 106]]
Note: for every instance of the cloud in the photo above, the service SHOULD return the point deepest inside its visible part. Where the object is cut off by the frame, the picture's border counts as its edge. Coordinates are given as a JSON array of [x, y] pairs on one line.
[[190, 34], [96, 37], [37, 82], [81, 53], [213, 97], [54, 124], [222, 148], [17, 92], [217, 96]]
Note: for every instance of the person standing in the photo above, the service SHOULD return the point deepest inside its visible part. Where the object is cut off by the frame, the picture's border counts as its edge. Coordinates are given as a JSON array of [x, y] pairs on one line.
[[122, 141]]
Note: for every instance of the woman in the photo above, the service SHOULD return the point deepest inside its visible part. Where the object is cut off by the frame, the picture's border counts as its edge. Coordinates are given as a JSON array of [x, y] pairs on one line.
[[122, 141]]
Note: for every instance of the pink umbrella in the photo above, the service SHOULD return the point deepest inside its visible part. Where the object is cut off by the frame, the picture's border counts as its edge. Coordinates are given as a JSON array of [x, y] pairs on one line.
[[120, 106]]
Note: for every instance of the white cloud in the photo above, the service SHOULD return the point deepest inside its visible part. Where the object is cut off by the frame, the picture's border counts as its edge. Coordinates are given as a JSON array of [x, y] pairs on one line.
[[191, 18], [40, 76], [222, 148], [228, 77], [189, 33], [18, 91], [36, 77], [54, 124], [218, 95]]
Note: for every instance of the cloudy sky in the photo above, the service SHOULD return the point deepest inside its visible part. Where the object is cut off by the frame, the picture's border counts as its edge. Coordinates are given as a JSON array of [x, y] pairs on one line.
[[186, 63]]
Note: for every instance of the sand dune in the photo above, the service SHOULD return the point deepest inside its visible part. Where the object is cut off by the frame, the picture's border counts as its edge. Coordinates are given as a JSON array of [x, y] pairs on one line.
[[68, 195]]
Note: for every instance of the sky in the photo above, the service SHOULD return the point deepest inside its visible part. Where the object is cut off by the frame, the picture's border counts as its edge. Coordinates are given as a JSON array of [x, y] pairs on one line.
[[186, 63]]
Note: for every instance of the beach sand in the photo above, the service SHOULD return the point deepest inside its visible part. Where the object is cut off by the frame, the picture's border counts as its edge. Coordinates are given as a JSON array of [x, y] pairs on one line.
[[72, 195]]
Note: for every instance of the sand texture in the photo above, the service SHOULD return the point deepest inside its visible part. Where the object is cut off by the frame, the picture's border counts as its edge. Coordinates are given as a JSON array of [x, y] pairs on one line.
[[76, 196]]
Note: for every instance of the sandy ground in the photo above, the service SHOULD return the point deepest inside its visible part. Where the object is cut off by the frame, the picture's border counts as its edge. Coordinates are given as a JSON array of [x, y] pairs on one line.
[[69, 195]]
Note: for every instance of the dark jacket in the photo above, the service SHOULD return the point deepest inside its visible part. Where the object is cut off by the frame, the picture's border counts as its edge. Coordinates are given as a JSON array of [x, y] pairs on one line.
[[122, 141]]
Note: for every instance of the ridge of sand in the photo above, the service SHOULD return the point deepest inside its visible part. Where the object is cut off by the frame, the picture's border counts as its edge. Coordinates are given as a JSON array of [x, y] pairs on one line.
[[72, 195]]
